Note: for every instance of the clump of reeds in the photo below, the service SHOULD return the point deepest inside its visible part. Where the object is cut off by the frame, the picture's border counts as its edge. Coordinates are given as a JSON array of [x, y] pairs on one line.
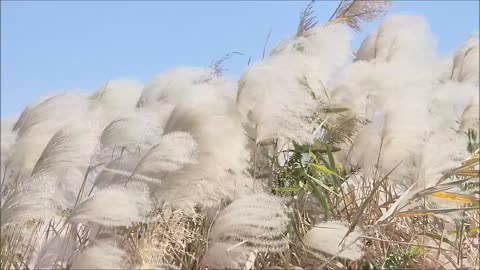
[[320, 161]]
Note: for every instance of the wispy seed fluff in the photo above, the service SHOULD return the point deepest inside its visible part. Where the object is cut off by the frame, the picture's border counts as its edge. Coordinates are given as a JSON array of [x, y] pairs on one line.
[[395, 80], [100, 255], [115, 99], [465, 61], [55, 253], [253, 223], [327, 237], [188, 164], [214, 124], [355, 12], [28, 147], [225, 255], [442, 152], [25, 113], [169, 86], [471, 114], [280, 95], [36, 198], [57, 110], [115, 206], [119, 171], [7, 140], [71, 147], [140, 129], [39, 123], [326, 48], [260, 220], [399, 38], [173, 152], [68, 156]]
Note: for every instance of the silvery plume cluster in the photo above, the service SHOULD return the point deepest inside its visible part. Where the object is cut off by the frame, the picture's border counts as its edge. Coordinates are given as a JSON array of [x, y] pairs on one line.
[[80, 169]]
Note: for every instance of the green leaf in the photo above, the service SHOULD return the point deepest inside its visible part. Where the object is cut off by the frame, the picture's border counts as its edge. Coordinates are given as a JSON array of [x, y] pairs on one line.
[[320, 196], [313, 156], [469, 230], [440, 238], [333, 167], [317, 146], [324, 169], [335, 110], [323, 185], [286, 189]]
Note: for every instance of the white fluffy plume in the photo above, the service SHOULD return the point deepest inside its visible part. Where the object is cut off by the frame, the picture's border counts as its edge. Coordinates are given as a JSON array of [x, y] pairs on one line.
[[257, 221], [188, 164], [56, 110], [400, 81], [254, 223], [465, 61], [169, 84], [404, 131], [280, 94], [119, 95], [115, 99], [100, 255], [73, 146], [141, 129], [84, 167], [7, 140], [327, 237], [116, 206], [471, 114], [32, 199], [214, 124], [55, 253], [118, 171], [174, 151], [27, 149], [25, 113], [399, 38], [442, 152], [271, 95], [39, 123], [225, 255]]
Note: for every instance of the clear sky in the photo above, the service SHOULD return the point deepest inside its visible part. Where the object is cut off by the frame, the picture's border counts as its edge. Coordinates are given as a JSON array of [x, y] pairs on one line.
[[58, 45]]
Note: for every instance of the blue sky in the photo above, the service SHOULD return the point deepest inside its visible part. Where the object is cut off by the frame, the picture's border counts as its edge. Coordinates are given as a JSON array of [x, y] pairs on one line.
[[53, 46]]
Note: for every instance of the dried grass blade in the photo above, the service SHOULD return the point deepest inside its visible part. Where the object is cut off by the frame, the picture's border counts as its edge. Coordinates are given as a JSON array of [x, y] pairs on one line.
[[425, 212], [456, 197]]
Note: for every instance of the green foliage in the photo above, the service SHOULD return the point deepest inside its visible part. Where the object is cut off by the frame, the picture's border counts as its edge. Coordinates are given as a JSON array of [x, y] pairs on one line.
[[344, 129], [314, 170], [401, 259], [472, 146], [473, 143]]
